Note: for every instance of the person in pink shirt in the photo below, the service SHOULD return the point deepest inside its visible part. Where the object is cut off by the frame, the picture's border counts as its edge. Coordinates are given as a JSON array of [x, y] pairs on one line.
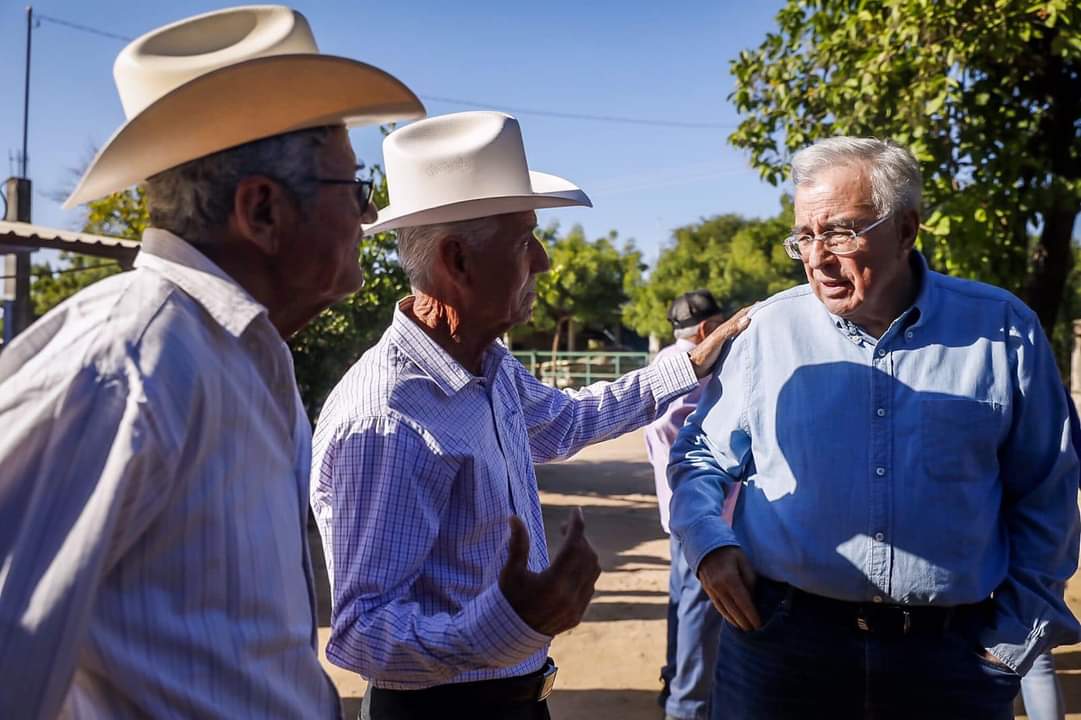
[[693, 624]]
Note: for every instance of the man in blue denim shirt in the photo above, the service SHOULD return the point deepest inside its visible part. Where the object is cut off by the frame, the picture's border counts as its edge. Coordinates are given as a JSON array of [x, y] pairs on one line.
[[908, 517]]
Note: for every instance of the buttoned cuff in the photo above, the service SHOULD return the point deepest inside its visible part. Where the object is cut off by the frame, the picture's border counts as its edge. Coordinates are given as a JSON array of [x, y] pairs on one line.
[[705, 536], [671, 377], [499, 637], [1019, 656]]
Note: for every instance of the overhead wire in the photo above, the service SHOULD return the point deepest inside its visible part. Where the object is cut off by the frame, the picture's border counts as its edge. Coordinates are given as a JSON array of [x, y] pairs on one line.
[[84, 28], [617, 119]]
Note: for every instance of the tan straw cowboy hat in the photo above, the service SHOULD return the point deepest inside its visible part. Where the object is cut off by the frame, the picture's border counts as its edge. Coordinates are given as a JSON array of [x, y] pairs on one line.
[[225, 78], [464, 166]]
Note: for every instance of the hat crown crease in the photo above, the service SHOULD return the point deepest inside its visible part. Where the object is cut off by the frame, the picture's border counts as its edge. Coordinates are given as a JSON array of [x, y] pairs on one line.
[[456, 157], [167, 58]]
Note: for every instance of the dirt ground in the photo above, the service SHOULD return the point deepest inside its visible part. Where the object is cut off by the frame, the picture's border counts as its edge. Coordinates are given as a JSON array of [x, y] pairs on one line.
[[609, 665]]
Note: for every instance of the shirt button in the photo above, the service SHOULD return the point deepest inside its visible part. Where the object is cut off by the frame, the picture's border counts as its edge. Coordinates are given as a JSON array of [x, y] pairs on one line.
[[881, 412], [909, 334], [877, 598], [881, 352], [880, 471], [880, 536]]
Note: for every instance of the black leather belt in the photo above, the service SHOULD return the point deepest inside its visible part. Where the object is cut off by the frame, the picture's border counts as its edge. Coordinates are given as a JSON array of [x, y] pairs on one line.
[[534, 687], [876, 618]]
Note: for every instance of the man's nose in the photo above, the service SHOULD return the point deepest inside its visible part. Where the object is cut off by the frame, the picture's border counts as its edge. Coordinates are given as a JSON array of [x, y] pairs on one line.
[[817, 255], [370, 214]]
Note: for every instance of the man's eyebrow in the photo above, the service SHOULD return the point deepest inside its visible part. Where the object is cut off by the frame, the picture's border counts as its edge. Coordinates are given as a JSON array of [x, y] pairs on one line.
[[842, 221]]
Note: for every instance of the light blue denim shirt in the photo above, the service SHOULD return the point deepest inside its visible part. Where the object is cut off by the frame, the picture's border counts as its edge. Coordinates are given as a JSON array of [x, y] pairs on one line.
[[932, 466]]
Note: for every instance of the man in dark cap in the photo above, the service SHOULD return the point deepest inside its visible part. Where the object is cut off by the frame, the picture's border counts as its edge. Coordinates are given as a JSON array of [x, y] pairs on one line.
[[693, 625]]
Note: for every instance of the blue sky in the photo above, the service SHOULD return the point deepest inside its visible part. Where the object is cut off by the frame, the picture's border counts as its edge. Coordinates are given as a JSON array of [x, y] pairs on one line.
[[645, 60]]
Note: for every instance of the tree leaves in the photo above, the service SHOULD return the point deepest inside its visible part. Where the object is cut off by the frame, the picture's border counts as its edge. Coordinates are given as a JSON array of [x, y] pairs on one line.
[[585, 284], [738, 260], [987, 95]]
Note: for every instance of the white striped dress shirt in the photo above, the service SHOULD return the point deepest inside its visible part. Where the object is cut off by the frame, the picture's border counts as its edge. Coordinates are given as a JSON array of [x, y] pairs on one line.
[[154, 459], [417, 465]]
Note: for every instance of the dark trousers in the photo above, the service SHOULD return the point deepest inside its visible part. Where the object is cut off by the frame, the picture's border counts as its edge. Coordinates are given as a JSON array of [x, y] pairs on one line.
[[805, 662], [423, 705], [512, 698]]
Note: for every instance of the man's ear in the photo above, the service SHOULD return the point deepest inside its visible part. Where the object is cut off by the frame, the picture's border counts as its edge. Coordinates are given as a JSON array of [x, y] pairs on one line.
[[909, 228], [706, 327], [262, 210], [452, 256]]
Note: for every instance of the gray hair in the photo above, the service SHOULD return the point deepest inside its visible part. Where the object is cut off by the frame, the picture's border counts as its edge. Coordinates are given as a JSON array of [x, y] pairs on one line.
[[896, 182], [418, 246], [191, 199]]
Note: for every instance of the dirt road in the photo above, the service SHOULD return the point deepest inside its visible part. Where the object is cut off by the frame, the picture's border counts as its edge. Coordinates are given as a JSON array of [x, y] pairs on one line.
[[610, 663]]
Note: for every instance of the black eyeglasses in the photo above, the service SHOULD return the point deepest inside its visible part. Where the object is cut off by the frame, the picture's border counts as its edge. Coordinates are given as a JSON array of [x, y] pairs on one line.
[[363, 188]]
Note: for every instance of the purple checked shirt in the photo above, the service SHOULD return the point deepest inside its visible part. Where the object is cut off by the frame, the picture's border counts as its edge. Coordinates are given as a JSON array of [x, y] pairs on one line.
[[417, 465]]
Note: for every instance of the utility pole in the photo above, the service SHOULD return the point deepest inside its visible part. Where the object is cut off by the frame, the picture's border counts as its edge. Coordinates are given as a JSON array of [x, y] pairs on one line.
[[26, 90], [18, 192]]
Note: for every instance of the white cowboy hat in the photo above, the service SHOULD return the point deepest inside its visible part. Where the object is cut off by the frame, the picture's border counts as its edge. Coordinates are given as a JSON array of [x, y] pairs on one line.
[[464, 166], [225, 78]]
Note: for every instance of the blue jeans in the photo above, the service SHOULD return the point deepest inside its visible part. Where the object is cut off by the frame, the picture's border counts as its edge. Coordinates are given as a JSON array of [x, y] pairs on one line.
[[694, 627], [800, 664], [1040, 689]]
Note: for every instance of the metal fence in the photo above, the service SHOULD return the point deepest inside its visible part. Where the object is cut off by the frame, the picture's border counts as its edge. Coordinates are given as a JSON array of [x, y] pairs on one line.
[[575, 369]]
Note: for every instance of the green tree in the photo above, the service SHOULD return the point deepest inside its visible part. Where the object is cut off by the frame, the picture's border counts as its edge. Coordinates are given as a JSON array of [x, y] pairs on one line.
[[331, 343], [585, 285], [738, 260], [986, 93]]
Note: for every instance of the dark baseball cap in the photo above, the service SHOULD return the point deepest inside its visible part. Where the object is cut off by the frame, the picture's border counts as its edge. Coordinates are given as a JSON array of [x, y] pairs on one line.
[[691, 308]]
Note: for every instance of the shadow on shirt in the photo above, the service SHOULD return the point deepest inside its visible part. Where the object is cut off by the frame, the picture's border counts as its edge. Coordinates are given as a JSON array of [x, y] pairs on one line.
[[855, 452]]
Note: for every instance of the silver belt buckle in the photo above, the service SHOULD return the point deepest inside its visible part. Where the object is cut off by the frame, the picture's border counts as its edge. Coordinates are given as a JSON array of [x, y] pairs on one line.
[[549, 681]]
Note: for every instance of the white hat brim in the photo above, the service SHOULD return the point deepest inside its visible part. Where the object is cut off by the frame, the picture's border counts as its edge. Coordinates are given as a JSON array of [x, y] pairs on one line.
[[240, 103], [549, 191]]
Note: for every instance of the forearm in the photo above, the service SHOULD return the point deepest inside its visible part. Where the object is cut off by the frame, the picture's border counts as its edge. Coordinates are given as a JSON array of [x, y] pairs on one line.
[[698, 500], [562, 423], [396, 644]]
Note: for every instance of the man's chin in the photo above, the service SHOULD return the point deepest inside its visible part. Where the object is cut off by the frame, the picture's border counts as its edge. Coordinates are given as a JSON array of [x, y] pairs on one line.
[[344, 287], [841, 307]]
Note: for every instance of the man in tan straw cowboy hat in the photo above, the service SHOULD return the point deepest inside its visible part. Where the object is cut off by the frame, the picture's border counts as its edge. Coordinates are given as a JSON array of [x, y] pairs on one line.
[[425, 449], [155, 453]]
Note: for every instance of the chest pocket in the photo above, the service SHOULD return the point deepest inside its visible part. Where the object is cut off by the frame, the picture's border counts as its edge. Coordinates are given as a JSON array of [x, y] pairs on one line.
[[960, 438]]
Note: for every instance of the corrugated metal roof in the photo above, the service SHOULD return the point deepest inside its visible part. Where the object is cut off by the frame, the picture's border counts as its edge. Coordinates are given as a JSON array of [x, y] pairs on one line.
[[20, 234]]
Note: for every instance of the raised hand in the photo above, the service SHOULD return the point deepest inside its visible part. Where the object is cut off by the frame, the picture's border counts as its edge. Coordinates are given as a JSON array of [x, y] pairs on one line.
[[554, 600], [727, 577], [704, 355]]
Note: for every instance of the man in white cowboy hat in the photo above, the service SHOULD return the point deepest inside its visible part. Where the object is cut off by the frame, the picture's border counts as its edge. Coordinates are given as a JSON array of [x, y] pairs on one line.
[[155, 453], [422, 477]]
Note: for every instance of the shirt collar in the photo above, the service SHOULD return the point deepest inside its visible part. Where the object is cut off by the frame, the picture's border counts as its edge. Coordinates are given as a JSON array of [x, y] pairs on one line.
[[436, 362], [923, 306], [181, 264]]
